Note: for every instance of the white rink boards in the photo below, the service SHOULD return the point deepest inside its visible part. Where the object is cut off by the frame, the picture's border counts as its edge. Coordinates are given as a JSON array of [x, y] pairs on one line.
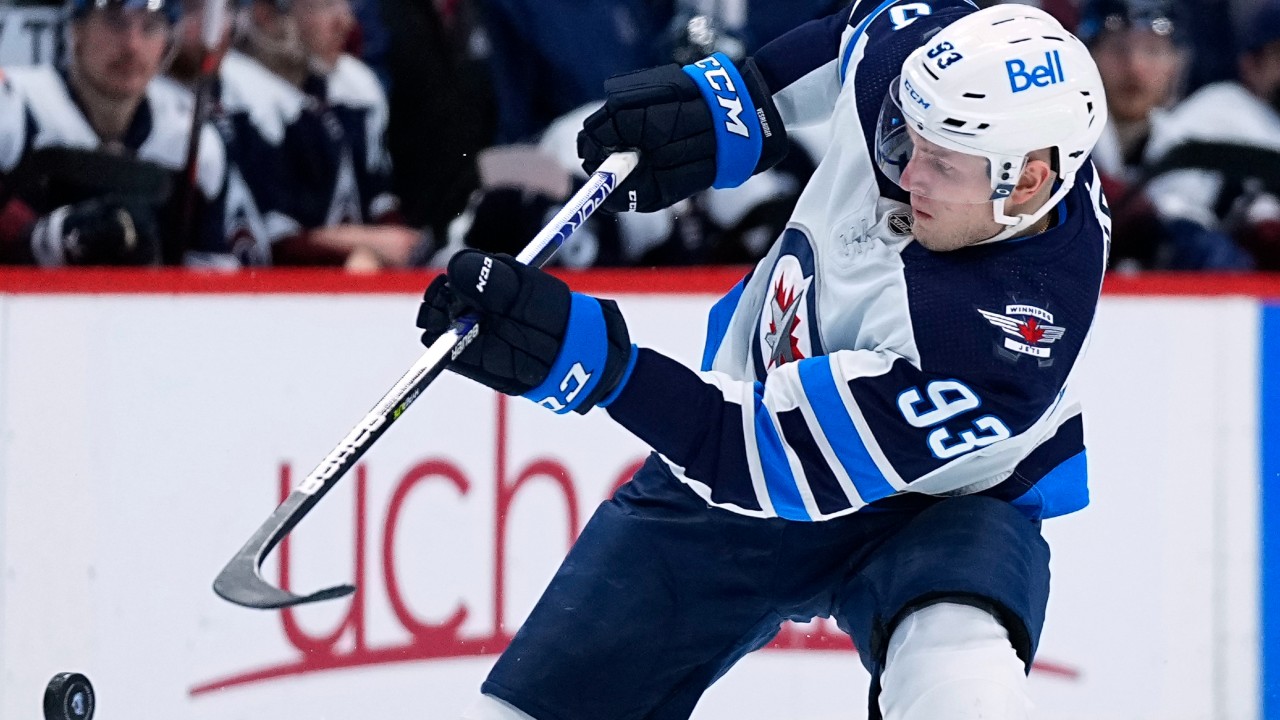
[[144, 436]]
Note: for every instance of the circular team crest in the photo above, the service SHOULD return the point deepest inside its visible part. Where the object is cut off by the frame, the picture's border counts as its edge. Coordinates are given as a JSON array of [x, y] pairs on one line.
[[787, 329]]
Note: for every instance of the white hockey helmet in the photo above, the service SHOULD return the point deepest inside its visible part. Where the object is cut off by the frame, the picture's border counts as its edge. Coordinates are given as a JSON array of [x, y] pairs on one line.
[[999, 84]]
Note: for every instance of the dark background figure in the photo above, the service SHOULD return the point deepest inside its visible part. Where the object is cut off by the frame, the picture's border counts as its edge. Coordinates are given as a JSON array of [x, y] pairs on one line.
[[551, 56], [442, 108], [1141, 49], [1214, 164]]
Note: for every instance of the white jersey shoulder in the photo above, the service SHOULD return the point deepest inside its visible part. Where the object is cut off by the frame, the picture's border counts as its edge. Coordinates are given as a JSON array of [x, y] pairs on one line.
[[56, 119], [1251, 121], [13, 119], [171, 106], [270, 102], [353, 83]]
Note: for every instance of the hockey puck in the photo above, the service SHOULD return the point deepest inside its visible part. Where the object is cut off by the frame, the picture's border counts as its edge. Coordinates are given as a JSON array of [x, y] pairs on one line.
[[68, 696]]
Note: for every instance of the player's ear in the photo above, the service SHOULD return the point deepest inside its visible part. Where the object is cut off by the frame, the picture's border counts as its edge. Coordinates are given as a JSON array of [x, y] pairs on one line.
[[1037, 174]]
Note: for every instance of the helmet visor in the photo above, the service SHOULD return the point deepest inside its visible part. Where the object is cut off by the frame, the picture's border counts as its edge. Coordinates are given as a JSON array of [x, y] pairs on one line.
[[927, 169]]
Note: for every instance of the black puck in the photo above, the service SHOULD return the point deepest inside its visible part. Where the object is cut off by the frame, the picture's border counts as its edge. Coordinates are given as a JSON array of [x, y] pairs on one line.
[[68, 696]]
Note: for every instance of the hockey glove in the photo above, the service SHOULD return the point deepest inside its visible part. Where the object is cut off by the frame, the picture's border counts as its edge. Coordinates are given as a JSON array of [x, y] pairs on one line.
[[101, 231], [563, 350], [700, 126]]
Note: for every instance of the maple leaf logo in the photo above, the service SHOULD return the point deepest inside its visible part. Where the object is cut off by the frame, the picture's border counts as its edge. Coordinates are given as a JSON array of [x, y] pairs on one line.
[[1034, 333], [1031, 331]]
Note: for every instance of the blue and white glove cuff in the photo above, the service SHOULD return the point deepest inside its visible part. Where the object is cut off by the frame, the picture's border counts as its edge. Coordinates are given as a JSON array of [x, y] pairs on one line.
[[581, 362], [739, 136]]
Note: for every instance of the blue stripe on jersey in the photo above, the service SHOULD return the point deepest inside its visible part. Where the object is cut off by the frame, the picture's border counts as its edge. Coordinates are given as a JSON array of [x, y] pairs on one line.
[[718, 322], [1065, 489], [778, 479], [1269, 430], [827, 492], [820, 390], [853, 40]]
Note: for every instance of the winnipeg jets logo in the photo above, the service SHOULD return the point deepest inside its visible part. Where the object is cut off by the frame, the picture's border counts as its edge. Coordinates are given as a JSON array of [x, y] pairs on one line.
[[786, 318], [1033, 330], [785, 301]]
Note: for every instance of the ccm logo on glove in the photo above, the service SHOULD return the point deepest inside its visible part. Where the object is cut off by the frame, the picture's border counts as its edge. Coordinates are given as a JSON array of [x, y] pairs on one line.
[[484, 274], [721, 82]]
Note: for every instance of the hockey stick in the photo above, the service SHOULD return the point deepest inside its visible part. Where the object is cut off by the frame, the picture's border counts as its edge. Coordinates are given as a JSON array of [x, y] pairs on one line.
[[212, 22], [241, 581]]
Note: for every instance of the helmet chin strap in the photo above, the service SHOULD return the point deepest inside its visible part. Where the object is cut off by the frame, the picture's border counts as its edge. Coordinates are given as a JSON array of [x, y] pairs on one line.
[[1016, 224]]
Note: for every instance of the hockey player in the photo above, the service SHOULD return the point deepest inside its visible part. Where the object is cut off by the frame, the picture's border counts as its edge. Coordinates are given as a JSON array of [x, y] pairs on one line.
[[1141, 50], [250, 107], [336, 165], [1215, 175], [1139, 46], [90, 154], [885, 408]]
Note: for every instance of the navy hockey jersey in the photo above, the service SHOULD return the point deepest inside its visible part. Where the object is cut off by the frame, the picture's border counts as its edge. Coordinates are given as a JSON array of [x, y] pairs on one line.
[[38, 110], [340, 149], [254, 108], [853, 367]]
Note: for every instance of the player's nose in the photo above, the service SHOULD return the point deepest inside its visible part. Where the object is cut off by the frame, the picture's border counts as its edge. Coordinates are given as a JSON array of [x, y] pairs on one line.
[[908, 178]]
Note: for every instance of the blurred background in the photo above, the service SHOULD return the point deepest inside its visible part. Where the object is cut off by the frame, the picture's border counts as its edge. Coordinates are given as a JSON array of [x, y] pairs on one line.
[[391, 133]]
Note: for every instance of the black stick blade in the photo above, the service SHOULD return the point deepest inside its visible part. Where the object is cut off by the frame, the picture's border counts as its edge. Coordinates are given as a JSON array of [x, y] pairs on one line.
[[242, 584]]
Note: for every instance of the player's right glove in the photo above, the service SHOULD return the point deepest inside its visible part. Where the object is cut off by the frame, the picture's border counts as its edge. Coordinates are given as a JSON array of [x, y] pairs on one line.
[[563, 350], [101, 231], [704, 125]]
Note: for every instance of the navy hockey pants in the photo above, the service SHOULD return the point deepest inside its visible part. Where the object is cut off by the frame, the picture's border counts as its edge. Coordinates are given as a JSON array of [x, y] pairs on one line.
[[661, 594]]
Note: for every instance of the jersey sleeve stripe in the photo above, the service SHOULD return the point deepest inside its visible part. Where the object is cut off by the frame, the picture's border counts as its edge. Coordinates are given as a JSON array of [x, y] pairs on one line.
[[826, 489], [775, 467], [857, 34], [832, 410], [749, 451], [1064, 490], [718, 322]]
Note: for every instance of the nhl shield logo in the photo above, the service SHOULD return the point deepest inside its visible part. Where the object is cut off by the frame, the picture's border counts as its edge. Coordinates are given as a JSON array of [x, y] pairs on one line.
[[900, 224], [1030, 329]]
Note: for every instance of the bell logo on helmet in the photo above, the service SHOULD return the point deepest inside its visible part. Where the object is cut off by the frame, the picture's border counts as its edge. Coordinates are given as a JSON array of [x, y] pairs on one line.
[[726, 94], [1050, 73]]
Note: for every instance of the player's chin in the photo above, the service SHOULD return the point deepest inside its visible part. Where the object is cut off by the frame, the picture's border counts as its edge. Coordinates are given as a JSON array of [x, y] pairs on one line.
[[937, 239]]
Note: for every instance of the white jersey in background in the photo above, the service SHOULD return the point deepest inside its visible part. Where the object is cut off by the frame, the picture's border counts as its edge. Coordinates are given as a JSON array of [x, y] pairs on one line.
[[40, 112]]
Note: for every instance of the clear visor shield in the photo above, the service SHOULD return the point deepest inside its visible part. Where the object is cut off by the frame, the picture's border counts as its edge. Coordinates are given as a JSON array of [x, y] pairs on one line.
[[926, 169]]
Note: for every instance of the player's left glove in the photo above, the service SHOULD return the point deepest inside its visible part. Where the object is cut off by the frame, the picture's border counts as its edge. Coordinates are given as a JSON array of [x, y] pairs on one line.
[[563, 350]]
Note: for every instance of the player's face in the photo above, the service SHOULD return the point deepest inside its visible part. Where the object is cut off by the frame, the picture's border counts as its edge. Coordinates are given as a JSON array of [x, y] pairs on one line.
[[950, 196], [1260, 71], [324, 26], [1139, 69], [119, 50]]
